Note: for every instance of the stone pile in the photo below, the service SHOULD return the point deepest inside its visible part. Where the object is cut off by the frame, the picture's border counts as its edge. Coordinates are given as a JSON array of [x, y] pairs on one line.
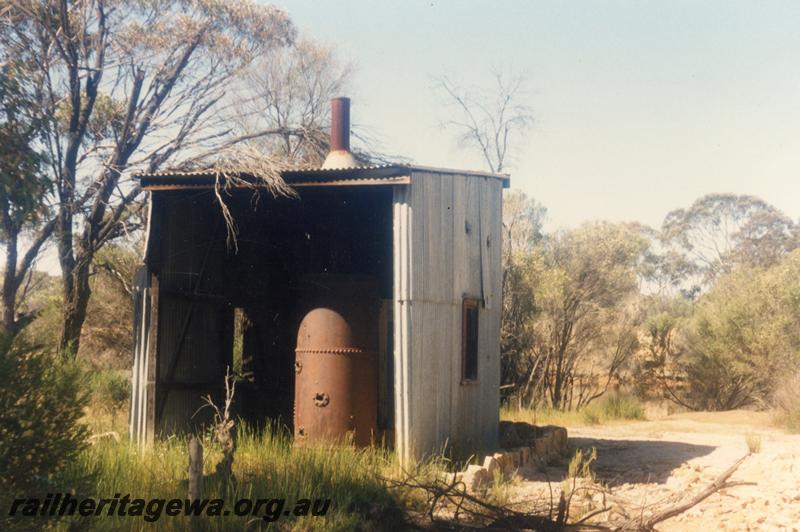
[[521, 444]]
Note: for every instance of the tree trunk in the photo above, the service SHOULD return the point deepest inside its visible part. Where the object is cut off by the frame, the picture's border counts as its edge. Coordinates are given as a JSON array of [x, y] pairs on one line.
[[76, 301], [9, 324], [75, 281]]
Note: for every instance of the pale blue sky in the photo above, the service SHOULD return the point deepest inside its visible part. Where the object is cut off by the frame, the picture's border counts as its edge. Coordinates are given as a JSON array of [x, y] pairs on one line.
[[640, 107]]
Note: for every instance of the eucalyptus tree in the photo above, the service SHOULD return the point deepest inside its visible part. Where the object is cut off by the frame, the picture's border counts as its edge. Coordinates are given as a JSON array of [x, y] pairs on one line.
[[720, 231], [23, 187], [127, 86], [287, 94], [586, 287]]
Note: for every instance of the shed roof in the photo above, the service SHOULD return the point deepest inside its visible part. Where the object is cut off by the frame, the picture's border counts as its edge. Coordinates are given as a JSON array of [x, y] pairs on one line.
[[386, 174]]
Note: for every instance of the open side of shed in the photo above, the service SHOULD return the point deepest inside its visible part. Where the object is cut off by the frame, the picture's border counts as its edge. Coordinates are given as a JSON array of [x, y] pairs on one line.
[[427, 239]]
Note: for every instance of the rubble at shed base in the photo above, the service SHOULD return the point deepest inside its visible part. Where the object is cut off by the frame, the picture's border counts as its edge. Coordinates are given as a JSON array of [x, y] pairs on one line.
[[522, 444]]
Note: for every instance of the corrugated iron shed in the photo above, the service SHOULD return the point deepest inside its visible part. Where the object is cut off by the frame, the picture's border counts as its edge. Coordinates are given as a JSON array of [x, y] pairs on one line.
[[439, 232]]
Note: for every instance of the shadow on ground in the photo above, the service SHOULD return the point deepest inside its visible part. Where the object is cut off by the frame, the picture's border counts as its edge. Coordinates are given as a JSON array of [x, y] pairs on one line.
[[626, 461]]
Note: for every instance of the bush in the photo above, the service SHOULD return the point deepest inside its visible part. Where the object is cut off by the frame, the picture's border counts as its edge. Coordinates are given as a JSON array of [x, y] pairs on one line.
[[110, 391], [742, 337], [41, 404]]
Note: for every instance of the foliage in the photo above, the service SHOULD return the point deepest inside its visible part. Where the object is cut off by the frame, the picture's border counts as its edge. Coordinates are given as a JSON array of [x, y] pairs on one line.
[[111, 390], [23, 188], [522, 230], [618, 406], [653, 364], [106, 340], [580, 466], [41, 404], [289, 90], [570, 310], [44, 301], [743, 334], [585, 281], [126, 86], [753, 442], [719, 231]]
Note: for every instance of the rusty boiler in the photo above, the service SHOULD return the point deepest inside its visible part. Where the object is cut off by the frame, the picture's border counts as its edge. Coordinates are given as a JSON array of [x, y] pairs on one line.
[[336, 370]]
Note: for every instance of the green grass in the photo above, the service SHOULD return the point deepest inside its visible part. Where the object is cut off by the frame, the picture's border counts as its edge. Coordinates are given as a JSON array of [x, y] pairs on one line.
[[618, 406], [610, 407], [266, 466]]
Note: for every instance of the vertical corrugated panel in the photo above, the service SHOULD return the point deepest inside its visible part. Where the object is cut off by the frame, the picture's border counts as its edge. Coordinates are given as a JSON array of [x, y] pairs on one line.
[[489, 334], [445, 309], [453, 219], [141, 328], [485, 221], [467, 403], [402, 261], [429, 223], [458, 422]]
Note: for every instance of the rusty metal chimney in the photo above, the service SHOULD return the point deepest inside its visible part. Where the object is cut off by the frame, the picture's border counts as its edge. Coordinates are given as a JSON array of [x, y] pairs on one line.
[[340, 156]]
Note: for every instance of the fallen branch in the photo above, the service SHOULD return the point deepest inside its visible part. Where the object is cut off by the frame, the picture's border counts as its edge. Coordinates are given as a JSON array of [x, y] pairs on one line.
[[455, 493], [679, 508]]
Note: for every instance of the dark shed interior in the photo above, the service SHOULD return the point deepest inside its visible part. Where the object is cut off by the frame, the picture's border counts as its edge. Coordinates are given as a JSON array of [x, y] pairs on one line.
[[224, 303]]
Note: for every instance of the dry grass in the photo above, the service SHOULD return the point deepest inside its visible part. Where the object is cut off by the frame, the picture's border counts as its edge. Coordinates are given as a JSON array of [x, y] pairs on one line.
[[787, 398], [753, 441], [608, 409]]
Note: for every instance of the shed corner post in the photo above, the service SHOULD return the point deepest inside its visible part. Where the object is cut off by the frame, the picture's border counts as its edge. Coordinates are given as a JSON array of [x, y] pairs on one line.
[[152, 364], [401, 289]]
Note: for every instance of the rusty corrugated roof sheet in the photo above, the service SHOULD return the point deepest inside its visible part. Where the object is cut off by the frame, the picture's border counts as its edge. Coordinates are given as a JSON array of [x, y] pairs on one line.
[[361, 175]]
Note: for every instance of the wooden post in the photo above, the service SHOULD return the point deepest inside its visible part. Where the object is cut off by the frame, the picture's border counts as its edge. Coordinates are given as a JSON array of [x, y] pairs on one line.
[[151, 364], [195, 469], [195, 478]]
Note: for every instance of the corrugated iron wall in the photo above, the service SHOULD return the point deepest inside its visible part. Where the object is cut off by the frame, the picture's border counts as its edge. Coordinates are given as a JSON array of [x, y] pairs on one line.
[[447, 238], [139, 382], [195, 319], [185, 315]]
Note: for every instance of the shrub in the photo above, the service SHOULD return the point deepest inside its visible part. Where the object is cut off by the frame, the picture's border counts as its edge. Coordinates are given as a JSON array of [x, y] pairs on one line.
[[110, 391], [41, 403], [742, 337]]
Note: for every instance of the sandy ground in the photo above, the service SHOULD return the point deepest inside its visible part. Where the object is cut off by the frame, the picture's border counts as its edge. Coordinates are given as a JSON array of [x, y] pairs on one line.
[[671, 459]]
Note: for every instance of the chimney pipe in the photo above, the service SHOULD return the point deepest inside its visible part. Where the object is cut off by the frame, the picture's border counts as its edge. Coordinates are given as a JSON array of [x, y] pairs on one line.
[[340, 156]]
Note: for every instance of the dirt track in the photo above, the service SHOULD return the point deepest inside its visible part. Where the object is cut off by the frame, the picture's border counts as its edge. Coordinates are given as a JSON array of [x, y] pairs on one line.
[[671, 459]]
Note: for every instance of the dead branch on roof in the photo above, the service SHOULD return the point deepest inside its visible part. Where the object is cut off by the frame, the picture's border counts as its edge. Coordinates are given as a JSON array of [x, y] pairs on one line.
[[246, 167]]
